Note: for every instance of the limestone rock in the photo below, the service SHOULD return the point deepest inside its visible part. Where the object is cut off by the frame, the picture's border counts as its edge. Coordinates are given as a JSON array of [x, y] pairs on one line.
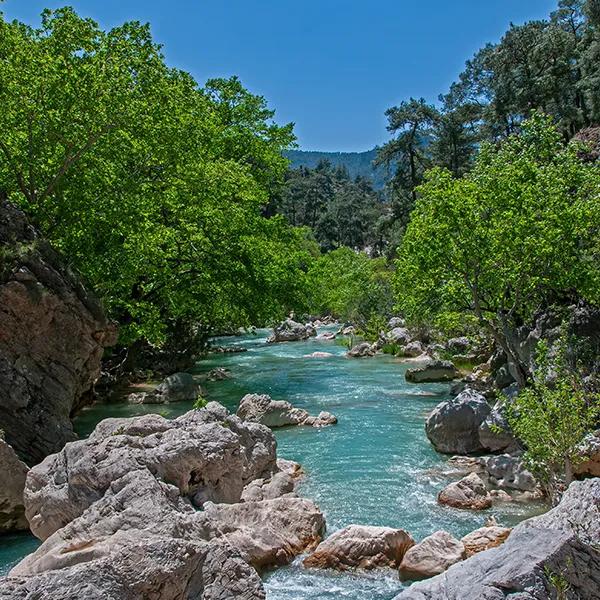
[[12, 483], [263, 409], [494, 433], [509, 472], [54, 332], [326, 336], [276, 486], [291, 331], [207, 454], [396, 322], [432, 556], [484, 538], [398, 335], [434, 371], [591, 452], [179, 387], [362, 350], [412, 349], [458, 345], [361, 547], [468, 493], [561, 544], [453, 426], [268, 533]]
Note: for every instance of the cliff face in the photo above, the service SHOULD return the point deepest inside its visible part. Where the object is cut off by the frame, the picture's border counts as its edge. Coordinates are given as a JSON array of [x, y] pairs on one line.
[[52, 335]]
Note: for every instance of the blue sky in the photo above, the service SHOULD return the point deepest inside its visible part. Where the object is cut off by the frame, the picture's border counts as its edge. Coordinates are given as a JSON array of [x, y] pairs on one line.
[[330, 66]]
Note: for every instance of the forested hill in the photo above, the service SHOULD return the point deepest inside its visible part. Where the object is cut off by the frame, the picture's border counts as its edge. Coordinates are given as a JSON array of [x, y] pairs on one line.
[[357, 163]]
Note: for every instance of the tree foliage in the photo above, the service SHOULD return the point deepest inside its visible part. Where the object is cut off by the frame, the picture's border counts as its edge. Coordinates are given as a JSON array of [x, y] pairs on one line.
[[153, 187], [517, 232], [552, 418]]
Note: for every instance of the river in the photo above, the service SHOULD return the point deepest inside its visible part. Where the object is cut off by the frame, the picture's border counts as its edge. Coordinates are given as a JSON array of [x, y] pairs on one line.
[[375, 467]]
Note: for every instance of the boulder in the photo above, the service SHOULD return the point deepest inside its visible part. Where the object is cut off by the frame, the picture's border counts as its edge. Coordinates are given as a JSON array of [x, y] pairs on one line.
[[396, 322], [453, 426], [560, 547], [362, 350], [347, 330], [469, 493], [291, 331], [433, 371], [218, 374], [207, 454], [590, 465], [260, 408], [142, 540], [179, 387], [431, 556], [54, 332], [318, 355], [398, 335], [12, 483], [361, 547], [458, 345], [495, 434], [412, 349], [268, 533], [509, 472], [278, 485], [484, 538]]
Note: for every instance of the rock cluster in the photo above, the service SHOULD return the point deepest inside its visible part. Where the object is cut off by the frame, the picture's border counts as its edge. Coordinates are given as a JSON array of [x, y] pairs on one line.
[[116, 513], [561, 545], [260, 408], [291, 331], [54, 332]]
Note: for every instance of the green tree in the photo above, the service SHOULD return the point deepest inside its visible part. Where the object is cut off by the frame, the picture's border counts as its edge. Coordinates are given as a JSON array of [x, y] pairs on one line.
[[552, 418], [517, 232], [153, 187]]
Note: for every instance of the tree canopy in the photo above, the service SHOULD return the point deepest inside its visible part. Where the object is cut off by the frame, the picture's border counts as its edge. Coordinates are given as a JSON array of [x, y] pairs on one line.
[[152, 186]]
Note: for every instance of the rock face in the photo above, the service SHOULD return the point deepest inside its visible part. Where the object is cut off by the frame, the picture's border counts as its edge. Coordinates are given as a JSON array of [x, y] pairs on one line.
[[257, 408], [432, 556], [468, 493], [361, 547], [207, 454], [453, 426], [484, 538], [179, 387], [434, 371], [12, 483], [53, 334], [132, 532], [362, 350], [291, 331], [558, 547]]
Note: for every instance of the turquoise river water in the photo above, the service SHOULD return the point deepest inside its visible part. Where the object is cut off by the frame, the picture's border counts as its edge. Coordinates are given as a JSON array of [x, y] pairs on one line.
[[375, 467]]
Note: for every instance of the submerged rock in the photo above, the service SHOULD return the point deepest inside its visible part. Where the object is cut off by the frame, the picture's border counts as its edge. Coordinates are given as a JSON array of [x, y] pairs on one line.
[[263, 409], [561, 545], [431, 556], [318, 355], [361, 547], [326, 336], [484, 538], [434, 371], [291, 331], [453, 426], [207, 454], [468, 493], [12, 483], [54, 332]]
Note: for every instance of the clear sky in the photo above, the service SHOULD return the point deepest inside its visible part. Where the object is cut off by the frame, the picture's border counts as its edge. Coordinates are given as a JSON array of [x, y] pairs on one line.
[[330, 66]]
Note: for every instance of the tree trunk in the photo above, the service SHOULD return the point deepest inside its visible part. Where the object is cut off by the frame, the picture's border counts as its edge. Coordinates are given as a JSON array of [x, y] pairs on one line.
[[568, 471]]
